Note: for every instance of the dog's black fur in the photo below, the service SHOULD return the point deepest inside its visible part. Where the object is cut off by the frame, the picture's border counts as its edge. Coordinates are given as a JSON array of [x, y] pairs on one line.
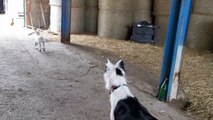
[[131, 109]]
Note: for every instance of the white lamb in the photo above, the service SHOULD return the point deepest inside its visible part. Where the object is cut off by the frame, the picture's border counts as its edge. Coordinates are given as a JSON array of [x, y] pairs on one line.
[[39, 40]]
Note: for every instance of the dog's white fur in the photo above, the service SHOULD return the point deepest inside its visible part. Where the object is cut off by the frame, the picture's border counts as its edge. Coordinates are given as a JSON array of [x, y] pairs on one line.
[[111, 79], [39, 40]]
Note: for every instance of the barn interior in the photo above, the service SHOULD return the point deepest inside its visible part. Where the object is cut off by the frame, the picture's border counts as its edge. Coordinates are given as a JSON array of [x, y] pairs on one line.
[[66, 81]]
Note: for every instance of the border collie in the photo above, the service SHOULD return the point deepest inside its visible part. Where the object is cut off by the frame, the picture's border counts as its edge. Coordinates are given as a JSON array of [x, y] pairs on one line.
[[124, 105]]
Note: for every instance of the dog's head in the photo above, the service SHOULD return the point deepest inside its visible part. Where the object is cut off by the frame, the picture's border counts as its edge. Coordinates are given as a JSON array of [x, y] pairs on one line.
[[114, 74]]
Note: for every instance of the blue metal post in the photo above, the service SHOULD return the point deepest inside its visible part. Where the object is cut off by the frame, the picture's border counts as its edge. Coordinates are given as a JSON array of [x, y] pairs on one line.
[[170, 40], [183, 23], [65, 21], [176, 35]]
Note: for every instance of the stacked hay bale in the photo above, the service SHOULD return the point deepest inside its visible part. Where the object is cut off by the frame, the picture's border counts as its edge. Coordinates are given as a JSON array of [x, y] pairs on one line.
[[142, 10], [200, 34], [200, 27], [55, 15], [91, 14], [77, 16], [115, 17], [161, 13]]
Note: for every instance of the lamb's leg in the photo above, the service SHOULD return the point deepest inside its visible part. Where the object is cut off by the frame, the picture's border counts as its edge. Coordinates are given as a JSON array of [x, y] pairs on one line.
[[43, 46], [36, 43], [39, 46]]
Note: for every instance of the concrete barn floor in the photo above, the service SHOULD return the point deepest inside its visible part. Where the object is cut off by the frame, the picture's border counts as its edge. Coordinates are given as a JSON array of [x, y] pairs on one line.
[[63, 83]]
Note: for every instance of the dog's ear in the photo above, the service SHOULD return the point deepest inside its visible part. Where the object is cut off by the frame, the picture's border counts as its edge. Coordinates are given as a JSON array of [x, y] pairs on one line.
[[108, 63], [120, 64], [118, 72]]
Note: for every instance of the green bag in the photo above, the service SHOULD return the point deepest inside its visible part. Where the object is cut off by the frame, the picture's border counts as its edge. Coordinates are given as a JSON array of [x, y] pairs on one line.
[[162, 94]]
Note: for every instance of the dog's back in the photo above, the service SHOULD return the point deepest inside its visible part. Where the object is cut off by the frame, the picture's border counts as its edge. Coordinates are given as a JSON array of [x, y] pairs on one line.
[[131, 109]]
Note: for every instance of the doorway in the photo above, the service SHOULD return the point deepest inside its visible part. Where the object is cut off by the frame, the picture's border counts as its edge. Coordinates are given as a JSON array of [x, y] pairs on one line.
[[12, 13]]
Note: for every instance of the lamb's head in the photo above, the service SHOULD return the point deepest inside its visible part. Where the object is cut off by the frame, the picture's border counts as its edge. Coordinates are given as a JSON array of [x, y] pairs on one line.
[[37, 31], [114, 74]]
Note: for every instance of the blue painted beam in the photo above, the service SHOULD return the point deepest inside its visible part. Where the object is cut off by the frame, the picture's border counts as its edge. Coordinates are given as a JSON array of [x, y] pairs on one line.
[[65, 21], [173, 51], [183, 23], [168, 50], [170, 40]]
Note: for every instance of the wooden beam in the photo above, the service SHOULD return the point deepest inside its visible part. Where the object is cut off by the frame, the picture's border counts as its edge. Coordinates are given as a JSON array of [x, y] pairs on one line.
[[43, 17]]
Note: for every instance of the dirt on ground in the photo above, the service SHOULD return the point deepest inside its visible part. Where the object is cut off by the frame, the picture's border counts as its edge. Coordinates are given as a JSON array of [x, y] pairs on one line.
[[196, 74]]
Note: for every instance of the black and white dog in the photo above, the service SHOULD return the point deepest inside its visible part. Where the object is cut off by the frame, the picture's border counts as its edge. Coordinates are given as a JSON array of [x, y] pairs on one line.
[[124, 105]]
